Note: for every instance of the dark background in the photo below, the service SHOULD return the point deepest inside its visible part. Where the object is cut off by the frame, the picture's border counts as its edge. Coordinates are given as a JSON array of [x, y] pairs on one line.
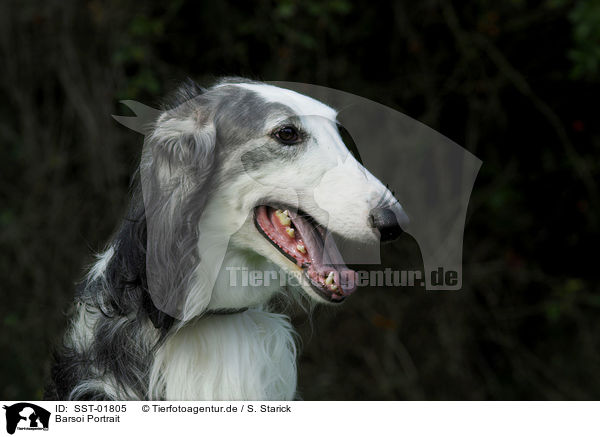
[[514, 82]]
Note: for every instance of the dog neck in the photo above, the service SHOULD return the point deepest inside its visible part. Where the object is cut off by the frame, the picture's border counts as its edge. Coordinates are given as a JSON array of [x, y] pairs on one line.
[[245, 356]]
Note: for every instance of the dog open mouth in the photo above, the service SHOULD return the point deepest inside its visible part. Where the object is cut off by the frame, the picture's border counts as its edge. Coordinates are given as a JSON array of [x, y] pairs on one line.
[[311, 247]]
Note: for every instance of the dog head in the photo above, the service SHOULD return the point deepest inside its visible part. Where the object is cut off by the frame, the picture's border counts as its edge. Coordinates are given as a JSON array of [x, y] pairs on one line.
[[254, 174]]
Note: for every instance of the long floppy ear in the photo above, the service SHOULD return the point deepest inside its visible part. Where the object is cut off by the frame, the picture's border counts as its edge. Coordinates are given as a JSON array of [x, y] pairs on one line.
[[176, 170]]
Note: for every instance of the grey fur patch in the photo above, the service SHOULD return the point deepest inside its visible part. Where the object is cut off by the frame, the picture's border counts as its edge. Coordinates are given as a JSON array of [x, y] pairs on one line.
[[180, 170]]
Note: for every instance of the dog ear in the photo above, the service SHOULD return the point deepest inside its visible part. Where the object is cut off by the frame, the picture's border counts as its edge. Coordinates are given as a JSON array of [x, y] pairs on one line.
[[175, 172]]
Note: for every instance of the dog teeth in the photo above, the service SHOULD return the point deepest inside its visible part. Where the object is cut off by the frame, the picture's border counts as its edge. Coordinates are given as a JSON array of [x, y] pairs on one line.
[[301, 248], [290, 232], [329, 279], [283, 217]]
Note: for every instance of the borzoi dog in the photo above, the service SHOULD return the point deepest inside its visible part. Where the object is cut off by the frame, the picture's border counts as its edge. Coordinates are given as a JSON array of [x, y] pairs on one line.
[[230, 178]]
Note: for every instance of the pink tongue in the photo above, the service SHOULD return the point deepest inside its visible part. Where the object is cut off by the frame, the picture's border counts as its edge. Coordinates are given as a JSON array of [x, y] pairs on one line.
[[324, 254]]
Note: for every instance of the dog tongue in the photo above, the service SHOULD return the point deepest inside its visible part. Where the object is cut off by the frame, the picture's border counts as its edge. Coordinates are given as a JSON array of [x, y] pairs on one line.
[[324, 254]]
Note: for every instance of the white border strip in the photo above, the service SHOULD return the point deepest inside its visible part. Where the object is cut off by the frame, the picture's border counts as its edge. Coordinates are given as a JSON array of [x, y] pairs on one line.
[[308, 419]]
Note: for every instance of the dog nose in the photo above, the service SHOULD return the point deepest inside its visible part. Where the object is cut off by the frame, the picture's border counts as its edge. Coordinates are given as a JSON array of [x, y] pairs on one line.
[[387, 223]]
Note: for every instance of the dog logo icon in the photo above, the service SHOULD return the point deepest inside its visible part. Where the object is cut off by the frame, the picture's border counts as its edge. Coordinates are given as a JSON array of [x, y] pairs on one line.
[[26, 416]]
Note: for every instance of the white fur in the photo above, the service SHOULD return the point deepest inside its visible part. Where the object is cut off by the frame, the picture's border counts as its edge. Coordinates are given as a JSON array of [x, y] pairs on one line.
[[80, 336], [299, 103], [247, 356], [99, 266]]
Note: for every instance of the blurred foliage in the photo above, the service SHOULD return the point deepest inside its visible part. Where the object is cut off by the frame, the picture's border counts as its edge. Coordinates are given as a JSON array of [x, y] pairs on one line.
[[514, 82], [585, 19]]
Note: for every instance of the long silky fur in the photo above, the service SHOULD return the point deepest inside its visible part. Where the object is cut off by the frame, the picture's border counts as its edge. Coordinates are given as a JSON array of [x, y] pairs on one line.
[[114, 350], [120, 346], [147, 321], [108, 348]]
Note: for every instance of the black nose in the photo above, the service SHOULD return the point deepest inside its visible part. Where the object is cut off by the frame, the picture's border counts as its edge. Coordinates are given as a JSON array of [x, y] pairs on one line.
[[386, 223]]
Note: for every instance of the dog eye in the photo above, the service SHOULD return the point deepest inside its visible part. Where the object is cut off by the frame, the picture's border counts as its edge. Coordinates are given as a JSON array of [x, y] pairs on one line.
[[288, 135]]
